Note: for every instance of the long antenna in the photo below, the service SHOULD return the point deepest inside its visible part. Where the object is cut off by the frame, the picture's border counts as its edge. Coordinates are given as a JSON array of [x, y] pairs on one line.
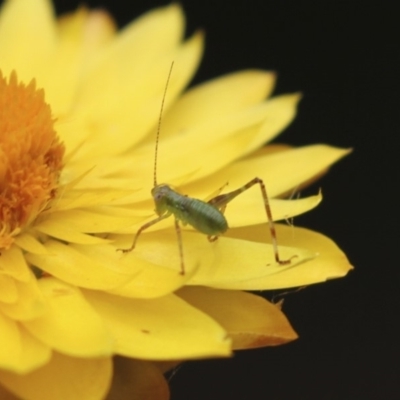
[[159, 125]]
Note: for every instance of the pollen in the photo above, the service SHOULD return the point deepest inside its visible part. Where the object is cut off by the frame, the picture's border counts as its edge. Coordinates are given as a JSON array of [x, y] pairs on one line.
[[31, 157]]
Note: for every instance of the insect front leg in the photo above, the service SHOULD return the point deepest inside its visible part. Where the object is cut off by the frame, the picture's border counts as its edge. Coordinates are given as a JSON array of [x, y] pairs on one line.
[[222, 200], [141, 229]]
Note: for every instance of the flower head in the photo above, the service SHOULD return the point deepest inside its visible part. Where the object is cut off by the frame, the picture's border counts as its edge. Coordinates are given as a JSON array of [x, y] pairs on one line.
[[79, 113]]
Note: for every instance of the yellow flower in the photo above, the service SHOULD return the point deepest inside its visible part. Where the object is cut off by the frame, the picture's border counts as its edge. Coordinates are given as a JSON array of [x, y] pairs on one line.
[[79, 110]]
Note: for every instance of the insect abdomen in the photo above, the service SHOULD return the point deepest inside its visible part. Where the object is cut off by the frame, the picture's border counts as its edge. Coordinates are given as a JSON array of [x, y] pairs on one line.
[[199, 214]]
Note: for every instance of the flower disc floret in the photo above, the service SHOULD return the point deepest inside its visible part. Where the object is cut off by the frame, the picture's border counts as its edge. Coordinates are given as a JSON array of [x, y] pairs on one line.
[[30, 156]]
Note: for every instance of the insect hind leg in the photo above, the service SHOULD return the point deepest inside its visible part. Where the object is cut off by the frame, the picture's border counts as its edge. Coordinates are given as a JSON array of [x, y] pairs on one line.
[[180, 246], [213, 238], [222, 201]]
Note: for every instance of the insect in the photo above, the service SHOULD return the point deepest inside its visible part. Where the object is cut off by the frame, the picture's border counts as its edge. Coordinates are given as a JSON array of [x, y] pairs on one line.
[[206, 217]]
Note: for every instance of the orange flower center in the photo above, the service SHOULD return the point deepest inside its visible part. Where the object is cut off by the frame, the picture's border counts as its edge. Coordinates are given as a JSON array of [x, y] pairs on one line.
[[31, 157]]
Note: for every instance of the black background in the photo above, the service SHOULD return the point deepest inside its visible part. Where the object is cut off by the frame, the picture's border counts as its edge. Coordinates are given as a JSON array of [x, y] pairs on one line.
[[343, 55]]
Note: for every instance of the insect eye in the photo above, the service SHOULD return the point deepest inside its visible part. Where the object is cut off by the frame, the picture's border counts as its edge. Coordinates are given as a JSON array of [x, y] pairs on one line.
[[158, 196]]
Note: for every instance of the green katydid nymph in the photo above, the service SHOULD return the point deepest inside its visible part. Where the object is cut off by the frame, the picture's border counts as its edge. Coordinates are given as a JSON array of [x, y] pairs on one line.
[[205, 216]]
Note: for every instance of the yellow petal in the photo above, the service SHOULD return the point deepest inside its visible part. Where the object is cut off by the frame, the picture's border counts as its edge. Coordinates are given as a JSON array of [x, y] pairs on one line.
[[103, 268], [96, 267], [82, 35], [65, 62], [217, 98], [22, 23], [139, 82], [94, 28], [63, 378], [29, 302], [88, 221], [281, 171], [70, 325], [250, 209], [237, 135], [8, 289], [136, 379], [29, 243], [20, 351], [160, 329], [153, 34], [138, 109], [55, 228], [250, 320], [297, 166], [13, 263], [226, 263], [88, 198], [152, 281], [330, 262]]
